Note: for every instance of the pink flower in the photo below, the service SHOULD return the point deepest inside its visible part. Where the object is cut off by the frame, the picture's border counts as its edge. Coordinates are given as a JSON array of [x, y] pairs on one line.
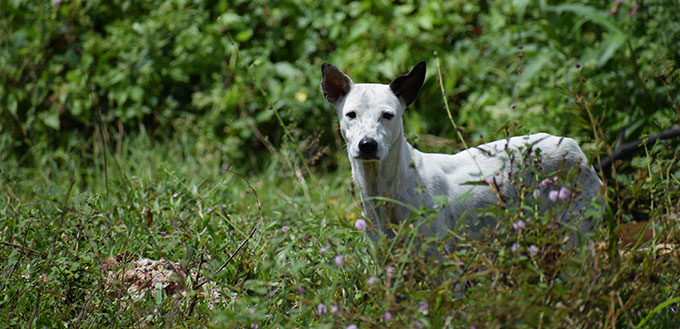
[[335, 308], [323, 250], [387, 316], [162, 233], [537, 193], [552, 195], [321, 309], [514, 247], [423, 307], [615, 7], [518, 225], [390, 270], [564, 193], [544, 183], [285, 229], [360, 224], [460, 263], [339, 260], [372, 280], [533, 250], [352, 326], [489, 180]]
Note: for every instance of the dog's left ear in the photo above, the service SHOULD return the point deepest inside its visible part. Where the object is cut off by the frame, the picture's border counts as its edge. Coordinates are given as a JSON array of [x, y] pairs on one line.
[[406, 87]]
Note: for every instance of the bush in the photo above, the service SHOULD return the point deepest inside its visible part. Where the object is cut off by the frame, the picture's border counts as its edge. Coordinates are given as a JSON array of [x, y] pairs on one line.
[[222, 69]]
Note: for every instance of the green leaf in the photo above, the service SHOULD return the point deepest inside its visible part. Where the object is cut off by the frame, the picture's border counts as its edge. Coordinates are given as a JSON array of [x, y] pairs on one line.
[[232, 21], [611, 44], [535, 65], [136, 94], [657, 309], [591, 14], [158, 293], [244, 35], [287, 70], [50, 118]]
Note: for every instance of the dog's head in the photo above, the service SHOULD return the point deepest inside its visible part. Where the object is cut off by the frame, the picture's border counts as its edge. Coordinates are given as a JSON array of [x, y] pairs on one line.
[[370, 114]]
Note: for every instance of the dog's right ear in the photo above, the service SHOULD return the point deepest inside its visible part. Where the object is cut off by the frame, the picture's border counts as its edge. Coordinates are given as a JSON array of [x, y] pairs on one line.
[[334, 84]]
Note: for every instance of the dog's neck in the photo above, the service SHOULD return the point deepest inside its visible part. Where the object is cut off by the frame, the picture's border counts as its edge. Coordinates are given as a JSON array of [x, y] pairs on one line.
[[383, 177], [386, 178]]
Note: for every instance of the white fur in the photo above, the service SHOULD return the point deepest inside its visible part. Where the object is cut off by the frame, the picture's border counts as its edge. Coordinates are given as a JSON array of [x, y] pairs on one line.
[[409, 176]]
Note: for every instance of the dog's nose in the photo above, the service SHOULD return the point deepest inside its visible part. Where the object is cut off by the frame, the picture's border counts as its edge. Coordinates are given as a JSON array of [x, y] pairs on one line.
[[368, 146]]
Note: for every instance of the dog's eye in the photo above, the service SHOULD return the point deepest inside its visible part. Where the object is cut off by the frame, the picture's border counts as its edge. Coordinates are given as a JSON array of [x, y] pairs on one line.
[[387, 115], [351, 115]]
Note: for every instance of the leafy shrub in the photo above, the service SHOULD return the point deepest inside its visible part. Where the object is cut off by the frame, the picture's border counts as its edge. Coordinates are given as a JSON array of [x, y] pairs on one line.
[[223, 68]]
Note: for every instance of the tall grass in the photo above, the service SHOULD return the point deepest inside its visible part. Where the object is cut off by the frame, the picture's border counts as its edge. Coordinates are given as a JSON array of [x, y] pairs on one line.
[[281, 249]]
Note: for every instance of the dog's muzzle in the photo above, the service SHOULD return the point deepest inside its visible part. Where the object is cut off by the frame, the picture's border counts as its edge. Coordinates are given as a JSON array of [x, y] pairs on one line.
[[368, 149]]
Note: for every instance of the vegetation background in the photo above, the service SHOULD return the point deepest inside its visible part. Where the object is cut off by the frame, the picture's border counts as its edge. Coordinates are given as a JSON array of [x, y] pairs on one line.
[[194, 132]]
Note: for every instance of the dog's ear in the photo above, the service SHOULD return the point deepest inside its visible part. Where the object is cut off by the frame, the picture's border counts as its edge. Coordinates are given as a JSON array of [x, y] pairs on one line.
[[406, 87], [334, 84]]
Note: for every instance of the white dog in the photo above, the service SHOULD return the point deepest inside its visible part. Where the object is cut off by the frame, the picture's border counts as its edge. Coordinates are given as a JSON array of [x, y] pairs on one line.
[[386, 166]]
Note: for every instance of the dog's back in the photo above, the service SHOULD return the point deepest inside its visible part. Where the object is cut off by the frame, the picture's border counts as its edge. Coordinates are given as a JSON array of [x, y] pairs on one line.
[[509, 167]]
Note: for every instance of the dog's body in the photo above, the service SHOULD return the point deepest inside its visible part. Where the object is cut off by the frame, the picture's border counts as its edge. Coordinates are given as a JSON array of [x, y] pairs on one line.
[[385, 165]]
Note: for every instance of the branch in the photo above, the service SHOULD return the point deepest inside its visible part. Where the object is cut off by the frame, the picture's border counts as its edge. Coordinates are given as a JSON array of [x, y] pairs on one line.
[[626, 150]]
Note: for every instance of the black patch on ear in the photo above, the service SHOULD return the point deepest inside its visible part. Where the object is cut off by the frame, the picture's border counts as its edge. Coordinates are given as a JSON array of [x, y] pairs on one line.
[[334, 84], [406, 87]]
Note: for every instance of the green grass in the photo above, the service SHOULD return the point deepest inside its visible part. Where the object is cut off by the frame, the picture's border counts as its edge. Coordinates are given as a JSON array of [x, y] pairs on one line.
[[176, 201]]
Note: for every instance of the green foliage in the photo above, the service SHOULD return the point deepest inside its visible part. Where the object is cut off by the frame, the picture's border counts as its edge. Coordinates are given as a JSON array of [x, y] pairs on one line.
[[156, 108], [227, 66]]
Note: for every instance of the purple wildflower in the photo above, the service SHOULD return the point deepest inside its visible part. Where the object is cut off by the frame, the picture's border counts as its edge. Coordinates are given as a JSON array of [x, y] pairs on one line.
[[339, 260], [360, 224], [285, 229], [514, 247], [387, 316], [390, 270], [518, 225], [321, 309], [552, 195], [423, 307], [537, 193], [564, 193], [533, 250]]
